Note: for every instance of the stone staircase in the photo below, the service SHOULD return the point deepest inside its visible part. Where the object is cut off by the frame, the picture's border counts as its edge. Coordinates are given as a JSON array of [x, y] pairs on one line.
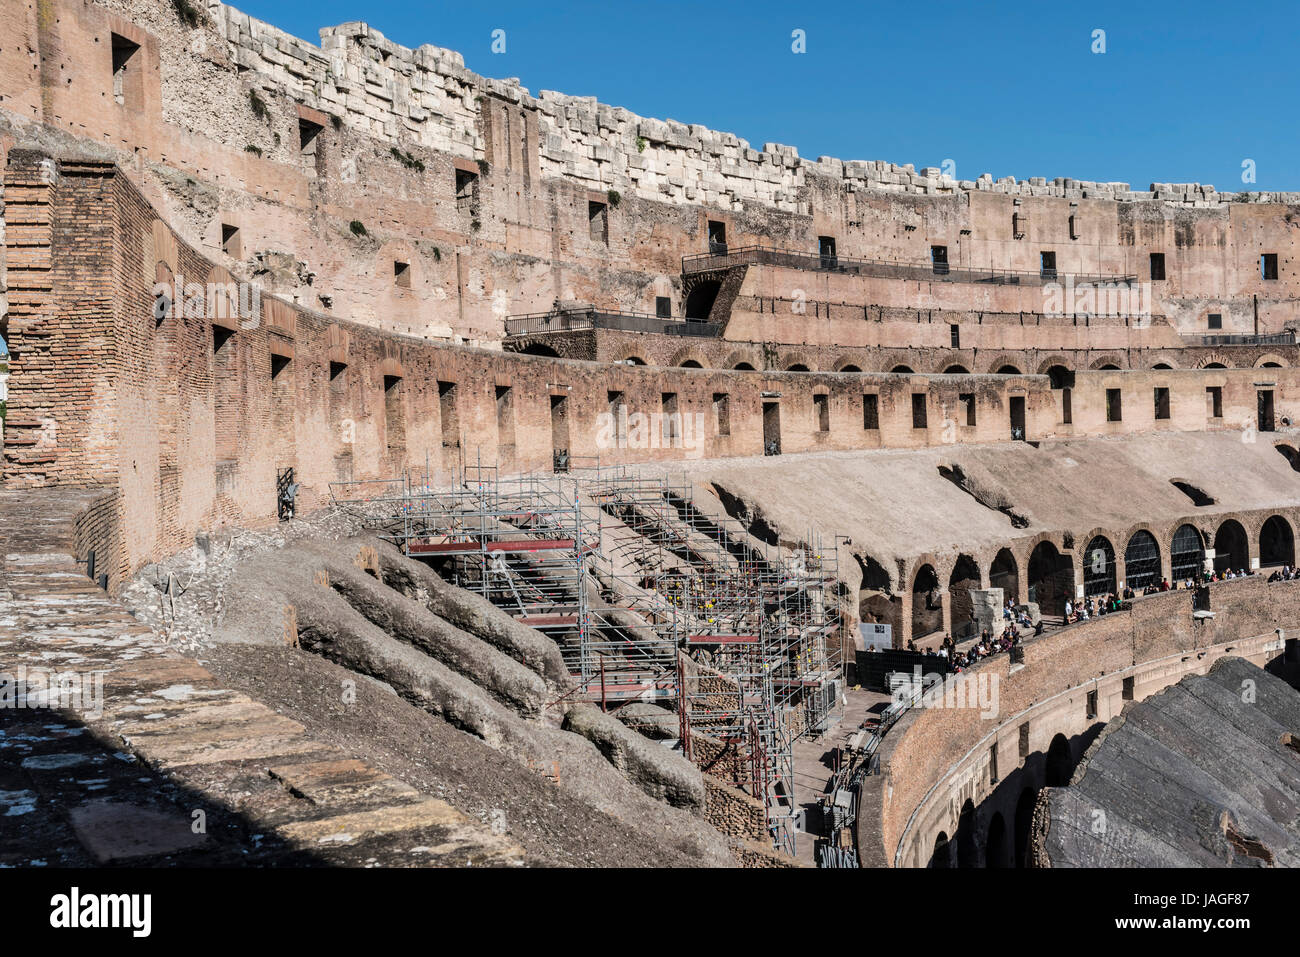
[[167, 767]]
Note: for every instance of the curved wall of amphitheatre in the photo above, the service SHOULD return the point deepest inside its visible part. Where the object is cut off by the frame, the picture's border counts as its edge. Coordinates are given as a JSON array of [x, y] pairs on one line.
[[498, 201], [936, 760], [191, 418]]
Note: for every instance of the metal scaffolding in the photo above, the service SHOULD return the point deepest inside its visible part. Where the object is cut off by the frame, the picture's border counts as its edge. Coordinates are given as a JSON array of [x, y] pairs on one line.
[[650, 599]]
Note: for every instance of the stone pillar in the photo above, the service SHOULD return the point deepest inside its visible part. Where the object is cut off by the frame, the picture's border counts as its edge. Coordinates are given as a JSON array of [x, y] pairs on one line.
[[986, 603]]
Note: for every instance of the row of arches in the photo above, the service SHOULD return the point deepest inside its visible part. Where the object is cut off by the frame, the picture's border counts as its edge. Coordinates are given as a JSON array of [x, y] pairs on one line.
[[1000, 844], [1052, 578], [998, 367]]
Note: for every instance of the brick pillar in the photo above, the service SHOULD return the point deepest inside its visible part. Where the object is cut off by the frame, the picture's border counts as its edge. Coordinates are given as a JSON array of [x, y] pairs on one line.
[[59, 248]]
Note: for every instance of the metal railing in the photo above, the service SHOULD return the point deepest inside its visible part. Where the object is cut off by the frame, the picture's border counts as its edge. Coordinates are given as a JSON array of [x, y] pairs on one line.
[[923, 272], [1275, 339], [577, 320]]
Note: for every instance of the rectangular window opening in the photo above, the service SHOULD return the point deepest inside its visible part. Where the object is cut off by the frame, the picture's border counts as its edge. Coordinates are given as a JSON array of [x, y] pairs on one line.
[[967, 399], [1157, 266], [663, 307], [871, 411], [722, 412], [1048, 264], [598, 222], [402, 275], [230, 243], [939, 260], [1162, 402], [447, 413], [1215, 320], [1114, 407], [1268, 265], [1214, 399], [822, 412], [918, 410], [128, 83]]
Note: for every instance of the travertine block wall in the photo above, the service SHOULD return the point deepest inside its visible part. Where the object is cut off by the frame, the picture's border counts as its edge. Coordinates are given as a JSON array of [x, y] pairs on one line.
[[208, 126]]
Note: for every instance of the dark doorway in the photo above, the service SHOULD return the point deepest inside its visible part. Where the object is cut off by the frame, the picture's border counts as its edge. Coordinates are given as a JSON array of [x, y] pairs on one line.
[[968, 847], [1051, 578], [1276, 542], [1018, 418], [927, 604], [771, 428], [1230, 548], [942, 855], [1005, 574], [965, 576], [560, 432], [699, 302], [1060, 764], [1264, 406]]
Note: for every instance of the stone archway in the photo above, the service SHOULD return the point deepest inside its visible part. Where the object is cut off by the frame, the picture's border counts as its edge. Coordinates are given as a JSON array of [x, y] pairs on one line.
[[965, 576], [1051, 578], [1231, 547], [927, 607], [998, 851], [1276, 542], [1004, 573]]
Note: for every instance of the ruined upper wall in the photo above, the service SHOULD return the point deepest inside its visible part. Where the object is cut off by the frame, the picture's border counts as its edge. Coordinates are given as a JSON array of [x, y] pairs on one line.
[[427, 95]]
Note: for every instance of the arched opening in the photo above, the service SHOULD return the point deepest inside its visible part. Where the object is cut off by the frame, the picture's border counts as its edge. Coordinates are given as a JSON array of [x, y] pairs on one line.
[[1142, 561], [1060, 377], [903, 369], [1186, 554], [634, 361], [1008, 370], [744, 367], [691, 364], [956, 370], [1162, 365], [1060, 765], [850, 369], [1214, 365], [1230, 548], [1051, 578], [1024, 824], [942, 854], [1109, 367], [1099, 567], [878, 605], [537, 349], [965, 576], [927, 607], [699, 302], [797, 367], [968, 847], [1271, 365], [1290, 454], [1276, 542], [1004, 573], [997, 851], [1062, 380]]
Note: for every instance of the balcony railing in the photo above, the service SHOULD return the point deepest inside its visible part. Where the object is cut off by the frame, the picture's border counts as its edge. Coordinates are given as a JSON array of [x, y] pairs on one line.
[[1274, 339], [578, 320], [880, 268]]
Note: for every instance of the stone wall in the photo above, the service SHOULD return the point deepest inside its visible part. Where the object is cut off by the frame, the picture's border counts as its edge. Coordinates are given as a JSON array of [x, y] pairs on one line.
[[192, 418], [936, 759], [208, 119]]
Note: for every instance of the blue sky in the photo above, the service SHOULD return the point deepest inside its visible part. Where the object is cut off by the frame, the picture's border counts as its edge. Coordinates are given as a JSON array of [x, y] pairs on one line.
[[1184, 92]]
